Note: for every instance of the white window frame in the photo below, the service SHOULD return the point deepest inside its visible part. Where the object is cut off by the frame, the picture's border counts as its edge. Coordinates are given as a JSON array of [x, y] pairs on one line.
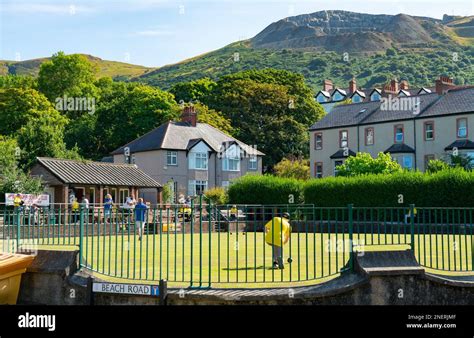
[[253, 163], [231, 154], [192, 186], [170, 155], [459, 128], [193, 161]]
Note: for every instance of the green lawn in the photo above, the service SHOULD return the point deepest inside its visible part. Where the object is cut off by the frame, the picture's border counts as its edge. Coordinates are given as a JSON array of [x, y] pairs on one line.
[[244, 260]]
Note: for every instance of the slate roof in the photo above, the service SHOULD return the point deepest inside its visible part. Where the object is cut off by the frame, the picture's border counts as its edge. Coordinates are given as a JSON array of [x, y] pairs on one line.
[[453, 102], [399, 148], [340, 154], [461, 144], [97, 173], [179, 136]]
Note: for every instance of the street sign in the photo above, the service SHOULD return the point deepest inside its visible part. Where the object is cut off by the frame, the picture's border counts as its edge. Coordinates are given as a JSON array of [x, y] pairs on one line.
[[160, 291]]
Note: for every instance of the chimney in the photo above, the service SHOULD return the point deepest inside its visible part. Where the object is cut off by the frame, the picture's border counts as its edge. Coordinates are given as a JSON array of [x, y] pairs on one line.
[[443, 84], [392, 87], [352, 85], [404, 85], [327, 85], [189, 115]]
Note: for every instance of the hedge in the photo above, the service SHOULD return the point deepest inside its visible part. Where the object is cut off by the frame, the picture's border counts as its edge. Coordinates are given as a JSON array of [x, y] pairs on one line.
[[449, 188], [253, 189]]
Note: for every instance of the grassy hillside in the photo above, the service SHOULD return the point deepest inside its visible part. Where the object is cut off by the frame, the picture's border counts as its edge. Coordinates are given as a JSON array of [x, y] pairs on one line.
[[114, 69], [419, 66]]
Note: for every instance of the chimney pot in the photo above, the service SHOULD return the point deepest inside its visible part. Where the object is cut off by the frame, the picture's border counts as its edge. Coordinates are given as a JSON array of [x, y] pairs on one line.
[[404, 85], [327, 85], [189, 115], [352, 85]]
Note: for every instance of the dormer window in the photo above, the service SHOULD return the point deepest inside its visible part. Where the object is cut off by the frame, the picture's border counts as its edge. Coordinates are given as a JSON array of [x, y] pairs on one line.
[[375, 96], [321, 98], [337, 96], [356, 99]]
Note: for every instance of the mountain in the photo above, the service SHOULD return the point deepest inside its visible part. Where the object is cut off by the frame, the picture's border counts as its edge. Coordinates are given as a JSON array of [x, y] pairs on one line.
[[340, 45], [114, 69], [335, 45]]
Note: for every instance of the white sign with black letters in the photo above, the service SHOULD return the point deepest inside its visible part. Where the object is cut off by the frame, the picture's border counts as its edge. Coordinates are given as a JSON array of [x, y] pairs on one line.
[[129, 289]]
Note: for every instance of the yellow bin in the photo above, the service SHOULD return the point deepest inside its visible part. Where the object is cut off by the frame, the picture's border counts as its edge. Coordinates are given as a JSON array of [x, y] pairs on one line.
[[12, 266]]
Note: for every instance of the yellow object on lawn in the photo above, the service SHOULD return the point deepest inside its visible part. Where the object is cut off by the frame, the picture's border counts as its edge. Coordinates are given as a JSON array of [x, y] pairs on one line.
[[277, 231]]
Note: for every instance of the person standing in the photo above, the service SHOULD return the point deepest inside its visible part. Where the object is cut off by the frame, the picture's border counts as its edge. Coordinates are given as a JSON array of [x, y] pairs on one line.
[[277, 234], [108, 204], [140, 217]]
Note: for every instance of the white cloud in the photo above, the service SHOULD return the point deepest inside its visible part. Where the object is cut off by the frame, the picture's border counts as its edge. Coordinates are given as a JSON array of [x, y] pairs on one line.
[[44, 8]]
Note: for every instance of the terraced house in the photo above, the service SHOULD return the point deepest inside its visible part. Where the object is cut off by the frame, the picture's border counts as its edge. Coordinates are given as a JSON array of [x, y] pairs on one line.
[[190, 157], [413, 125]]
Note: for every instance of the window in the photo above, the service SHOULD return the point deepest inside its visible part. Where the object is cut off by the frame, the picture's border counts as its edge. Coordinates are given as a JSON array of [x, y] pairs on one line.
[[429, 131], [198, 161], [356, 98], [343, 139], [318, 141], [123, 194], [172, 158], [321, 98], [337, 96], [428, 158], [318, 169], [369, 136], [336, 164], [398, 131], [197, 187], [461, 126], [375, 97], [92, 195], [253, 163], [407, 162]]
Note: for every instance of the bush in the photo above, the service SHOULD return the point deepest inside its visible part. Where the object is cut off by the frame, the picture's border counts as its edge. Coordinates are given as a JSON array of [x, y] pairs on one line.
[[363, 163], [253, 189], [293, 168], [448, 188], [217, 195], [436, 165]]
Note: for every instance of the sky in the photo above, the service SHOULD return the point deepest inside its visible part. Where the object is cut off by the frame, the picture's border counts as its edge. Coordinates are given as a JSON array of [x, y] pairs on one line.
[[154, 33]]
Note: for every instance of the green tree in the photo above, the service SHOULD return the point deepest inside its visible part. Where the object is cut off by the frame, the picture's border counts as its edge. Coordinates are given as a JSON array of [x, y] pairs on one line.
[[293, 168], [43, 136], [71, 75], [363, 163], [128, 110], [269, 108], [12, 179], [20, 105], [213, 118], [17, 81], [196, 90]]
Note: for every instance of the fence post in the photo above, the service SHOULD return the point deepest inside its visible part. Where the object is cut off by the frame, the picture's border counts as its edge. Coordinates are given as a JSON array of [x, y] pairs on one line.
[[81, 235], [18, 231], [412, 227], [351, 237]]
